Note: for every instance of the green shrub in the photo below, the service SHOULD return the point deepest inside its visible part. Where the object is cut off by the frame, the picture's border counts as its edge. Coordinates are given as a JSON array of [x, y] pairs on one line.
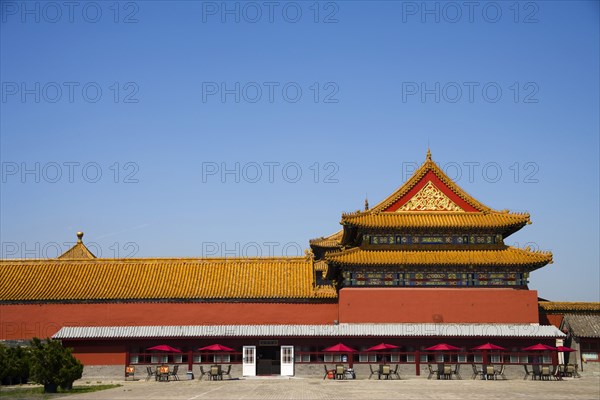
[[14, 365]]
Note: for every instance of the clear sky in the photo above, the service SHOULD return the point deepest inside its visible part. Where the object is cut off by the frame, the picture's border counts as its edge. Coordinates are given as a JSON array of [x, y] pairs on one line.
[[212, 128]]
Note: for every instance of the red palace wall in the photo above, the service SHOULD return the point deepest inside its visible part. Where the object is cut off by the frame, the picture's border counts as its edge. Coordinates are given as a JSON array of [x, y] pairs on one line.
[[395, 305], [24, 321], [99, 353]]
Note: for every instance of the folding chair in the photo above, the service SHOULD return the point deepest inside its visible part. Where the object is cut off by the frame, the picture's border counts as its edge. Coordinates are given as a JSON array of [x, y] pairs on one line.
[[394, 372], [327, 371], [545, 373], [527, 372], [226, 372], [431, 371], [537, 372], [576, 371], [174, 373], [456, 371], [149, 372], [490, 372], [500, 372], [202, 373], [340, 372], [373, 372], [479, 372], [130, 372], [215, 372], [385, 371]]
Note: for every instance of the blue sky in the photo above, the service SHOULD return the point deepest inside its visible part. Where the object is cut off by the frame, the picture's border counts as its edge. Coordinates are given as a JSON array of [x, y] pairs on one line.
[[123, 120]]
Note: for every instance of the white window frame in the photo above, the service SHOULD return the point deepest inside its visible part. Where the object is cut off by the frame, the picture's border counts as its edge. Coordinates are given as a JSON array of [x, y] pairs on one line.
[[221, 358]]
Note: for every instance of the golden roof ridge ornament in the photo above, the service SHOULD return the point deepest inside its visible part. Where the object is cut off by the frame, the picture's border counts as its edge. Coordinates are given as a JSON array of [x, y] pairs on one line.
[[366, 203], [428, 156], [78, 251], [309, 255]]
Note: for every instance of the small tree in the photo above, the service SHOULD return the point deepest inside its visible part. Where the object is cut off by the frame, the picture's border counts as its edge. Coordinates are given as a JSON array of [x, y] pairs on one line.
[[3, 363], [52, 365], [18, 362]]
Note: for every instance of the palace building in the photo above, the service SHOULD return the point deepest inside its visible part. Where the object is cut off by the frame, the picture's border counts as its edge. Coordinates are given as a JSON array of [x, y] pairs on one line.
[[427, 264]]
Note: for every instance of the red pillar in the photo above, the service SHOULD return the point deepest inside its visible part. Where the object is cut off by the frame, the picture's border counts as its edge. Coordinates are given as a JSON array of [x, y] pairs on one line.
[[418, 363], [190, 360]]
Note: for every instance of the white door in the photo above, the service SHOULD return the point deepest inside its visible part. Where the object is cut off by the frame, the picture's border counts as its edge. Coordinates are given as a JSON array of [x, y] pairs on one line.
[[249, 361], [287, 360]]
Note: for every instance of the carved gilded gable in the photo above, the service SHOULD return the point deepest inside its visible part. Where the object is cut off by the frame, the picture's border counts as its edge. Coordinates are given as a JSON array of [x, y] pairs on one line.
[[430, 198]]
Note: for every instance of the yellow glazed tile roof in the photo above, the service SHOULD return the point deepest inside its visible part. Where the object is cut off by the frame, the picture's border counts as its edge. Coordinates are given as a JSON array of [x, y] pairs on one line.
[[333, 240], [415, 220], [507, 256], [151, 279], [570, 306]]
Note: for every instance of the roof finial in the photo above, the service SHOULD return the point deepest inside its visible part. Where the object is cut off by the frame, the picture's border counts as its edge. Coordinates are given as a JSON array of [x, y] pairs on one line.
[[79, 237], [428, 154], [366, 203]]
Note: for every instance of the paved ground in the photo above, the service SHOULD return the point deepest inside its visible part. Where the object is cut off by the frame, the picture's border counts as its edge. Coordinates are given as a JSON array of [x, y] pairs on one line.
[[587, 387]]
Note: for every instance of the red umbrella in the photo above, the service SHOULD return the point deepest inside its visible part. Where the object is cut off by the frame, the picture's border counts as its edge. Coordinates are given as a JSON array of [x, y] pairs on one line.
[[382, 346], [216, 347], [442, 347], [340, 348], [488, 346], [539, 347], [565, 349], [164, 347]]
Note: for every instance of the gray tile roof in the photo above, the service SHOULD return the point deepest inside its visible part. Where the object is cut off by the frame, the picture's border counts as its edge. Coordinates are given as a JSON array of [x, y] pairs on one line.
[[341, 330], [583, 325]]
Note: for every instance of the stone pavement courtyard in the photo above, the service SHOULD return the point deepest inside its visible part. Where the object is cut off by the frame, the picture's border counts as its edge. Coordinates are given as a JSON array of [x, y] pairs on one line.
[[587, 387]]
